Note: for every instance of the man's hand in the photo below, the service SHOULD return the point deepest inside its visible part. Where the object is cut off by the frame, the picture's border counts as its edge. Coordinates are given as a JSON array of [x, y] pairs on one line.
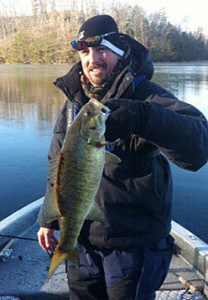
[[127, 117], [47, 239]]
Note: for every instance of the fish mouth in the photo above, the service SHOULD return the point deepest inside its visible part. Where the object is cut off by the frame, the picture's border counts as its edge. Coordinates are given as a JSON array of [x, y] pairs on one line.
[[95, 131]]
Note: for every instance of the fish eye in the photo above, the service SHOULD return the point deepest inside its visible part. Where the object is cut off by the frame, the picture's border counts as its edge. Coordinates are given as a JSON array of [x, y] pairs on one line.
[[88, 113], [103, 110]]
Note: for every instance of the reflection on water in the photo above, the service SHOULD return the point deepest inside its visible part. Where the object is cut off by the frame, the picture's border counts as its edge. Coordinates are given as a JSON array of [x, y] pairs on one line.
[[29, 105], [27, 94], [187, 82]]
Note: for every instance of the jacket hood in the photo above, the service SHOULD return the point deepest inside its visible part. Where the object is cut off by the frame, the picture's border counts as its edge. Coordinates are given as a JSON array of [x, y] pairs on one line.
[[141, 58]]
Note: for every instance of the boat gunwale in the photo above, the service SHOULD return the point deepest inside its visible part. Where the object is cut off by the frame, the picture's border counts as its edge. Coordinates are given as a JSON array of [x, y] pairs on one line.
[[190, 247]]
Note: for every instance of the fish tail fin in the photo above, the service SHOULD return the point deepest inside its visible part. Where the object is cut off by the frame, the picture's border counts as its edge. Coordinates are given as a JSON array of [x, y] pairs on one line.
[[59, 256]]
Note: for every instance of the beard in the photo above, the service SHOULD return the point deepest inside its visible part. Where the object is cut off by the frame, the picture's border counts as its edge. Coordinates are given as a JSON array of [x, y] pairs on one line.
[[97, 74]]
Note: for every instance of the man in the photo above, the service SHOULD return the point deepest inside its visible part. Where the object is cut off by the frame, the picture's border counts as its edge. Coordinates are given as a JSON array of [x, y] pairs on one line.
[[127, 256]]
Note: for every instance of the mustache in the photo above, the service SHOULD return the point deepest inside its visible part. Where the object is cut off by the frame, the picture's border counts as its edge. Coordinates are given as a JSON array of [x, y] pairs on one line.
[[97, 65]]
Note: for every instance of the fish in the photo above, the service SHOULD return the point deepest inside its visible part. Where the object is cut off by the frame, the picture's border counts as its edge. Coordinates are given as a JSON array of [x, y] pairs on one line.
[[74, 176]]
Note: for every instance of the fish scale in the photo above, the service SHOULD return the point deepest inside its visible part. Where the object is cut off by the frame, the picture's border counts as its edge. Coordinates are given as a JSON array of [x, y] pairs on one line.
[[74, 177]]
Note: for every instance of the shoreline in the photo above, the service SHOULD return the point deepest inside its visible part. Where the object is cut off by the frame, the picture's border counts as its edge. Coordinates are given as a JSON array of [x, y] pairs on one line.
[[66, 64]]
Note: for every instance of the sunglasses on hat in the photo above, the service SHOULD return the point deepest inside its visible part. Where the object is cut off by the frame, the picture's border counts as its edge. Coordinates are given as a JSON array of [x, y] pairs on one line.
[[90, 41]]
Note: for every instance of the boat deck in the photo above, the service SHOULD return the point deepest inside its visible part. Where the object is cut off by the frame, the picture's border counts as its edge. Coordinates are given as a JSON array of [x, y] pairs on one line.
[[24, 275]]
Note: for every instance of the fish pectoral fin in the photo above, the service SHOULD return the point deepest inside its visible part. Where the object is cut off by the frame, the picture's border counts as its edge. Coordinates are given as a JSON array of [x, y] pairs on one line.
[[59, 256], [95, 214], [111, 158], [50, 208]]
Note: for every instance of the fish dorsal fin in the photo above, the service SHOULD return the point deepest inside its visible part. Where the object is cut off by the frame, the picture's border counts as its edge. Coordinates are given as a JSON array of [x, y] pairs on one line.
[[111, 158], [50, 205], [53, 167]]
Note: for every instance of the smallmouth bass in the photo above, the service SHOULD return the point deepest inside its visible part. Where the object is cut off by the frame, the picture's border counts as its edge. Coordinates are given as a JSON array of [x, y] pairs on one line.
[[74, 177]]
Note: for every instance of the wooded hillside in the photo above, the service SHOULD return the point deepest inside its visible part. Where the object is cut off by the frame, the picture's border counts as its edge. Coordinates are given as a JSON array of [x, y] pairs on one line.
[[45, 35]]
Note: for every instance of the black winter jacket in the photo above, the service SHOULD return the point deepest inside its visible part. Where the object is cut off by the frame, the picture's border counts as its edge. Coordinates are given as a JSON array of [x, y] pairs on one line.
[[136, 194]]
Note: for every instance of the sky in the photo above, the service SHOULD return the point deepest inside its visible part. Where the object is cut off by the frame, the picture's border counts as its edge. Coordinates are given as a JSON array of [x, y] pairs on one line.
[[189, 14]]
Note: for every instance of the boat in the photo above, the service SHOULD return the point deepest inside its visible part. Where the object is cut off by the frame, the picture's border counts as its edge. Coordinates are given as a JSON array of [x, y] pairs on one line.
[[24, 265]]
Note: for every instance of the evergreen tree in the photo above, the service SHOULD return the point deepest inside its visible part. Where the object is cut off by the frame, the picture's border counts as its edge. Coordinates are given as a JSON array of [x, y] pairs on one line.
[[45, 36]]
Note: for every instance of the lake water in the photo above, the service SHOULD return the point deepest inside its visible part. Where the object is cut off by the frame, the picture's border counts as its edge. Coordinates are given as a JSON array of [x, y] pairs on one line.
[[29, 106]]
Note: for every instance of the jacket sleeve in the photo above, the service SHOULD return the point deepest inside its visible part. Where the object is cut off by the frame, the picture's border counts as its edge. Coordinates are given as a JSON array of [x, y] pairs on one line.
[[55, 147], [178, 129]]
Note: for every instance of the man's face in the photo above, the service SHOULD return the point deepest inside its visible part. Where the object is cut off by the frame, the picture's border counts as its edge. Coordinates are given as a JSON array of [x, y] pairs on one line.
[[98, 63]]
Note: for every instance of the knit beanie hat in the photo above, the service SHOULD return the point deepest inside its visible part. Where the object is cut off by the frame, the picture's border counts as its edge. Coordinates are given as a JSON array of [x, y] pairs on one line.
[[100, 25]]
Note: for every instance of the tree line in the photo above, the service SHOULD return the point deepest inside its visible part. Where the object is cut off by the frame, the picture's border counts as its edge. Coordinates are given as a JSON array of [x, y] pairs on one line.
[[44, 36]]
